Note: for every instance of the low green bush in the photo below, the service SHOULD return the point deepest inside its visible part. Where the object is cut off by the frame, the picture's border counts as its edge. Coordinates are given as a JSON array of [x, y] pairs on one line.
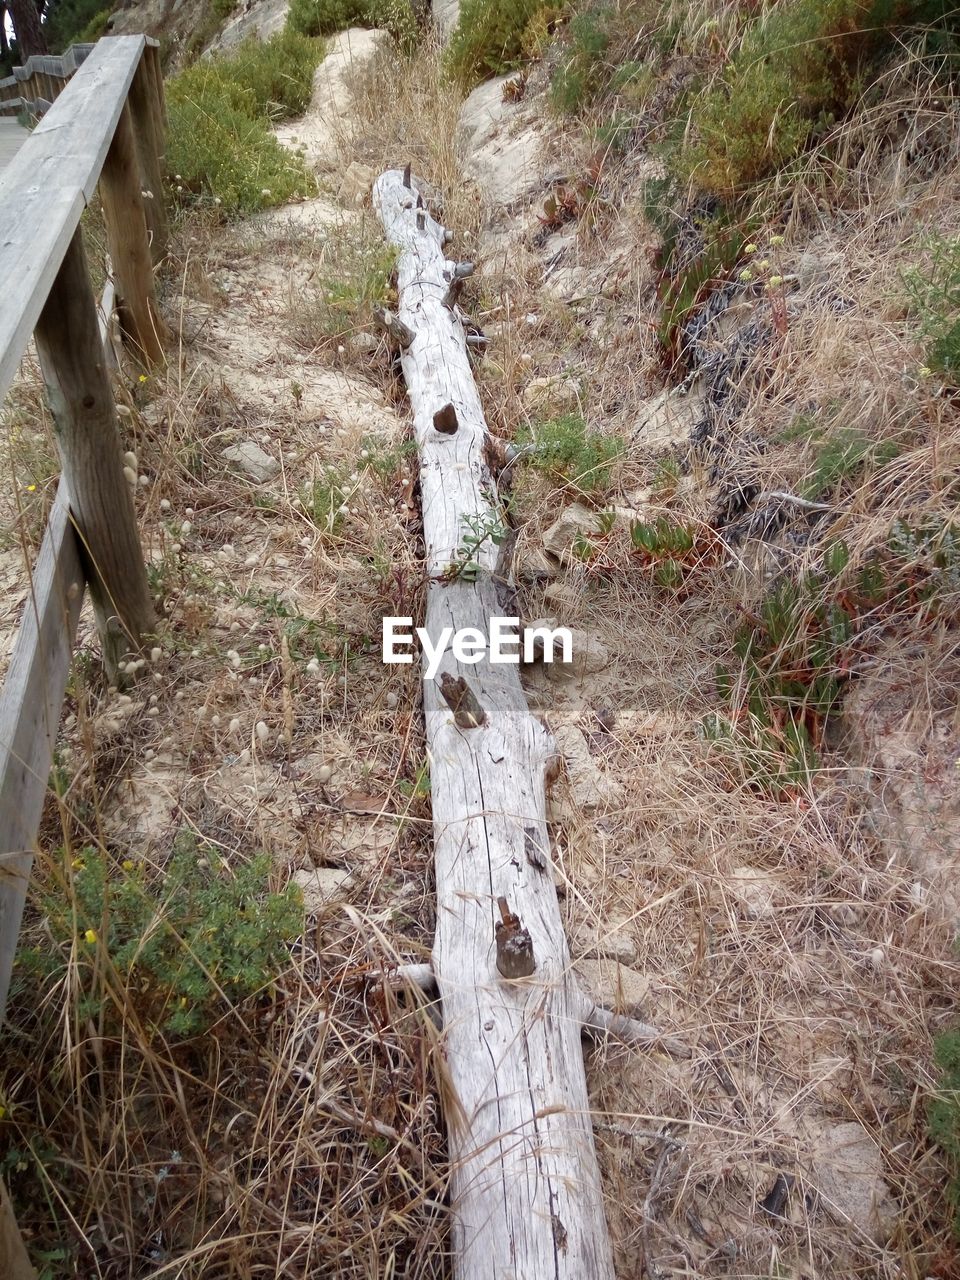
[[183, 946], [326, 17], [934, 291], [581, 73], [800, 64], [567, 451], [944, 1114], [220, 147], [493, 37]]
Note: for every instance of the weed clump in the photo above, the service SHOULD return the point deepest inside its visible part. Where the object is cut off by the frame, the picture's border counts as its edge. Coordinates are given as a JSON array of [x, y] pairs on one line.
[[944, 1114], [568, 452], [189, 943], [326, 17], [798, 67], [354, 279], [935, 293], [493, 37], [220, 147]]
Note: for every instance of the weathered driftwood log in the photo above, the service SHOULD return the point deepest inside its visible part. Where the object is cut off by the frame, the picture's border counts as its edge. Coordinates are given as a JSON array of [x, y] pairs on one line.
[[525, 1186]]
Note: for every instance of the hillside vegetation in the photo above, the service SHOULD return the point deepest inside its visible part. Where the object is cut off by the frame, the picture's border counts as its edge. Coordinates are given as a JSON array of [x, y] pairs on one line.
[[718, 288]]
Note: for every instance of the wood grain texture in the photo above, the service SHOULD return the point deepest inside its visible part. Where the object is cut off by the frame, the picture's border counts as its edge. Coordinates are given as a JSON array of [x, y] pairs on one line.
[[525, 1186], [88, 439], [146, 112], [30, 703], [14, 1263], [123, 208], [45, 188]]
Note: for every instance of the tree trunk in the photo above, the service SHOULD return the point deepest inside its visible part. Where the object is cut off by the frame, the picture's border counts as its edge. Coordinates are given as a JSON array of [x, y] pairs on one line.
[[26, 25], [525, 1185]]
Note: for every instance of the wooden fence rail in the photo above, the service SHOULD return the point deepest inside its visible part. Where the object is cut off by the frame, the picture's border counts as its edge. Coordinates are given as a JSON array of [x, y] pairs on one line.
[[105, 128], [33, 87]]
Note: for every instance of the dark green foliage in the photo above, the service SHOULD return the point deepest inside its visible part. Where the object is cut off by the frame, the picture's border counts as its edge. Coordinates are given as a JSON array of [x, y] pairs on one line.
[[183, 946], [798, 650], [566, 450], [490, 37], [220, 145]]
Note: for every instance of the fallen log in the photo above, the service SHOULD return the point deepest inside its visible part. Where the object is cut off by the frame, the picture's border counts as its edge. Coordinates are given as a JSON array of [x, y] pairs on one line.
[[525, 1184]]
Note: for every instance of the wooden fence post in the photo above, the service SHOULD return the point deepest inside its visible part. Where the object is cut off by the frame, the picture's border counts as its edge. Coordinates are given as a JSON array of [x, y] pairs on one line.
[[149, 126], [14, 1263], [85, 417], [129, 244]]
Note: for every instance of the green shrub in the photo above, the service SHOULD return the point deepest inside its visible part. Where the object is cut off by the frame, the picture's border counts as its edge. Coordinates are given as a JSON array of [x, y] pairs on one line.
[[326, 17], [492, 37], [944, 1113], [181, 945], [582, 73], [798, 66], [842, 454], [567, 451], [220, 147], [935, 293]]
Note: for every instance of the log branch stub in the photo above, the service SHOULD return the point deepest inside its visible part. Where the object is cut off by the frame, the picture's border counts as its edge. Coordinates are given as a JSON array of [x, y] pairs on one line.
[[515, 958], [391, 323], [601, 1022], [462, 701], [445, 420]]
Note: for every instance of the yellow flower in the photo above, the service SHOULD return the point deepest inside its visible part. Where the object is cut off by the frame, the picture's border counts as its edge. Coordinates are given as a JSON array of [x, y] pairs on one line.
[[763, 264], [776, 239], [127, 864], [746, 275], [31, 488], [924, 372], [749, 248], [78, 864], [183, 1002], [91, 936], [774, 282], [143, 378]]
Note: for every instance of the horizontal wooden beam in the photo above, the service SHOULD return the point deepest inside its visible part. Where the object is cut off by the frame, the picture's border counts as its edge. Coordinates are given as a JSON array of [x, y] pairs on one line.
[[30, 703], [49, 182]]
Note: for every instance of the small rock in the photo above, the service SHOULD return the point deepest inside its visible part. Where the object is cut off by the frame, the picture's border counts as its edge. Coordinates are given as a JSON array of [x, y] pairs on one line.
[[847, 1169], [253, 461], [754, 890], [615, 945], [589, 786], [614, 985], [357, 181], [669, 418], [363, 344], [564, 600], [589, 656], [320, 885], [554, 394], [573, 522]]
